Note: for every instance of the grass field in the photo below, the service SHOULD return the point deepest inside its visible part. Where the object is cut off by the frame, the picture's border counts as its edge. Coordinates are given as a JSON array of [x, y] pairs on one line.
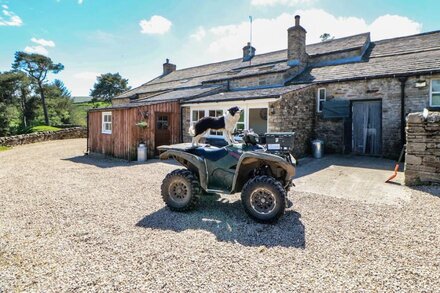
[[4, 148]]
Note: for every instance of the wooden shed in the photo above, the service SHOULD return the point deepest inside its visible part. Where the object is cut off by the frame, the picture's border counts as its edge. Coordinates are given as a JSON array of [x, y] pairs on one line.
[[117, 131]]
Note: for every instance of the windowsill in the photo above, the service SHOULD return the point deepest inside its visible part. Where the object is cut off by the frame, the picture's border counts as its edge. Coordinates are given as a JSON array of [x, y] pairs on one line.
[[106, 132]]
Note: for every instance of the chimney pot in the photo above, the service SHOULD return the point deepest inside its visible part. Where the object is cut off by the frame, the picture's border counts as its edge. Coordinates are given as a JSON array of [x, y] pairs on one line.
[[248, 52], [168, 67], [297, 17]]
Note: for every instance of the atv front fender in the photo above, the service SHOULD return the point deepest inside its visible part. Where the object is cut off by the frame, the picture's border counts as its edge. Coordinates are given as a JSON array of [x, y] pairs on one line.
[[191, 162], [249, 161]]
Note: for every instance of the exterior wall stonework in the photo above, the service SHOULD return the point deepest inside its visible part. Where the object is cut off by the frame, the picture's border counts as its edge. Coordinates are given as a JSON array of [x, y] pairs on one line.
[[258, 80], [422, 160], [186, 123], [295, 112], [67, 133], [388, 90]]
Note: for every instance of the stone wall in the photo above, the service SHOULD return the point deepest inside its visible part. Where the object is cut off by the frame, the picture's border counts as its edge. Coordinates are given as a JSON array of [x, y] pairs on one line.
[[186, 123], [295, 111], [258, 80], [422, 160], [388, 91], [74, 132]]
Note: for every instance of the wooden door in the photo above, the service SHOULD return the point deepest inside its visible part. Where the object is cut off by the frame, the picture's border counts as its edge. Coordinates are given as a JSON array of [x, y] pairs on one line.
[[162, 129], [367, 127]]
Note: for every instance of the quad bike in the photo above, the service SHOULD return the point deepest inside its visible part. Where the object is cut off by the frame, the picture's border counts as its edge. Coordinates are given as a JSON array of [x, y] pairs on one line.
[[262, 176]]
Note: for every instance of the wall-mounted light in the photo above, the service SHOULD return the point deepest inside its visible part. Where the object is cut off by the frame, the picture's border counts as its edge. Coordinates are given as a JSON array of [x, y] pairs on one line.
[[420, 83]]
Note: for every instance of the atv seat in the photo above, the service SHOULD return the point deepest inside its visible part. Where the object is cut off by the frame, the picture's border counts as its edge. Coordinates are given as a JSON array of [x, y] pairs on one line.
[[211, 154]]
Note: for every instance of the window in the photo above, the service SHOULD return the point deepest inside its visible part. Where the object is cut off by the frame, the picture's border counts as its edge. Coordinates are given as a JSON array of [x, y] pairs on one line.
[[215, 113], [196, 115], [434, 99], [107, 122], [320, 99], [240, 124], [162, 122]]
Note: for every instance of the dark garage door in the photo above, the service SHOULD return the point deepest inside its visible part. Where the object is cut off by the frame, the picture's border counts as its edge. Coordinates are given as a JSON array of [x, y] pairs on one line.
[[367, 127]]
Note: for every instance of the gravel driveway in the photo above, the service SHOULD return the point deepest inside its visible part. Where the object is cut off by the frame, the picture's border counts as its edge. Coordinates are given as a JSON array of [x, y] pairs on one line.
[[74, 223]]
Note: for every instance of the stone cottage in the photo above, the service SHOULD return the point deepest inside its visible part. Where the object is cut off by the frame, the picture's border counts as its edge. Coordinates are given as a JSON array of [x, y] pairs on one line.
[[350, 92]]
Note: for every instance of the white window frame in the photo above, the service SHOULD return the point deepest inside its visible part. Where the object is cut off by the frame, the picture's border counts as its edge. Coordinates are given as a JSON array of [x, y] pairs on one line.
[[319, 99], [431, 92], [245, 105], [104, 123]]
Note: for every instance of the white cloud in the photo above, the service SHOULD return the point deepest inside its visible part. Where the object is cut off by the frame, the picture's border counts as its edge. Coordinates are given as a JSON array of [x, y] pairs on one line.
[[43, 42], [199, 34], [155, 25], [9, 18], [270, 34], [86, 75], [279, 2], [37, 50], [80, 2]]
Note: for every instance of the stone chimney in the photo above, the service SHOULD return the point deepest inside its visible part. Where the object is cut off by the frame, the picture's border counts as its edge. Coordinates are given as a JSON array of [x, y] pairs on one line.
[[248, 52], [168, 67], [296, 45]]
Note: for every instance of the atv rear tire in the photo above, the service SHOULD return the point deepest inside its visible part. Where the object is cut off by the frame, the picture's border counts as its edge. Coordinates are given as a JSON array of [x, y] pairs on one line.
[[180, 189], [264, 199]]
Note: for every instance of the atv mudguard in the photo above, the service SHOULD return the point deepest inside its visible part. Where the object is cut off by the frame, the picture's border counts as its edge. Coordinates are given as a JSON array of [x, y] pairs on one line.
[[249, 161], [189, 161]]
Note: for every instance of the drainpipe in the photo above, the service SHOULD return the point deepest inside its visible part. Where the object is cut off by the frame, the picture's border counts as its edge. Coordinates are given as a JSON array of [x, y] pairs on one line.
[[402, 80], [181, 122]]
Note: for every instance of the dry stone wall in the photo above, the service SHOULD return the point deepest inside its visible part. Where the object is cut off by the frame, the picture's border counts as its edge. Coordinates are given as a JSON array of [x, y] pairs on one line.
[[67, 133], [422, 160]]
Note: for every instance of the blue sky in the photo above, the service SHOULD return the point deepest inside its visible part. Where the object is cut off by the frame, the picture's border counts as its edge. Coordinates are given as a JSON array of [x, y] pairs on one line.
[[133, 37]]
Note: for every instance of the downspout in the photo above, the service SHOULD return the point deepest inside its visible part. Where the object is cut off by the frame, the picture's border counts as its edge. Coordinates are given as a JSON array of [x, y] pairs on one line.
[[402, 80], [181, 123]]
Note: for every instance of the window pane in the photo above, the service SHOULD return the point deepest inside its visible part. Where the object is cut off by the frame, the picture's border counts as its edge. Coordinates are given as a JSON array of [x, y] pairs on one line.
[[241, 117], [240, 127], [436, 85], [322, 94], [435, 100], [320, 106], [195, 116]]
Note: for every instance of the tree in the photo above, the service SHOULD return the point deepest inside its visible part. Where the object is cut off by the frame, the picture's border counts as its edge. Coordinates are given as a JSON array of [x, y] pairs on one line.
[[37, 66], [108, 86], [15, 88], [326, 37]]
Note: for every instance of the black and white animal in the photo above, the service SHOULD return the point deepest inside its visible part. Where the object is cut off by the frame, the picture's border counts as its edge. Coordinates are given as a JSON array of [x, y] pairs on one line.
[[226, 123]]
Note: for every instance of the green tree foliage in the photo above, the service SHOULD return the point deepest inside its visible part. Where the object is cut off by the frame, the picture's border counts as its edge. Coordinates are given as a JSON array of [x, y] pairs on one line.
[[37, 67], [15, 88], [59, 104], [109, 85]]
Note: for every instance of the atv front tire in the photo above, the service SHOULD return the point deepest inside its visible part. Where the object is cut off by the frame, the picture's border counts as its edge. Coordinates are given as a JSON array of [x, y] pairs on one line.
[[264, 199], [179, 190]]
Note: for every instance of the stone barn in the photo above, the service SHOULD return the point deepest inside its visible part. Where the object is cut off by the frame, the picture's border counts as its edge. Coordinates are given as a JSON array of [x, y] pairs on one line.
[[351, 92]]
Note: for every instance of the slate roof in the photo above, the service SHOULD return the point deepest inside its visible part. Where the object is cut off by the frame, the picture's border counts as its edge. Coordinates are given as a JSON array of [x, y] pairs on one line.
[[260, 64], [169, 96], [253, 94], [416, 54]]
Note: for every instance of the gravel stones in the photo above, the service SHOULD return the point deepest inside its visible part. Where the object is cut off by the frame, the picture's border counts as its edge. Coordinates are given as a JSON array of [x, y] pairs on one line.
[[70, 222]]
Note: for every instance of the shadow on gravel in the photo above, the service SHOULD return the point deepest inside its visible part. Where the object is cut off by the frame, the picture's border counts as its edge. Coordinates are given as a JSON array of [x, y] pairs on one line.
[[229, 223], [105, 162]]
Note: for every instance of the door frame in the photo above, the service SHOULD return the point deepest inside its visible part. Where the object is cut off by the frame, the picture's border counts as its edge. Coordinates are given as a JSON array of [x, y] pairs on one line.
[[170, 128], [348, 133]]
